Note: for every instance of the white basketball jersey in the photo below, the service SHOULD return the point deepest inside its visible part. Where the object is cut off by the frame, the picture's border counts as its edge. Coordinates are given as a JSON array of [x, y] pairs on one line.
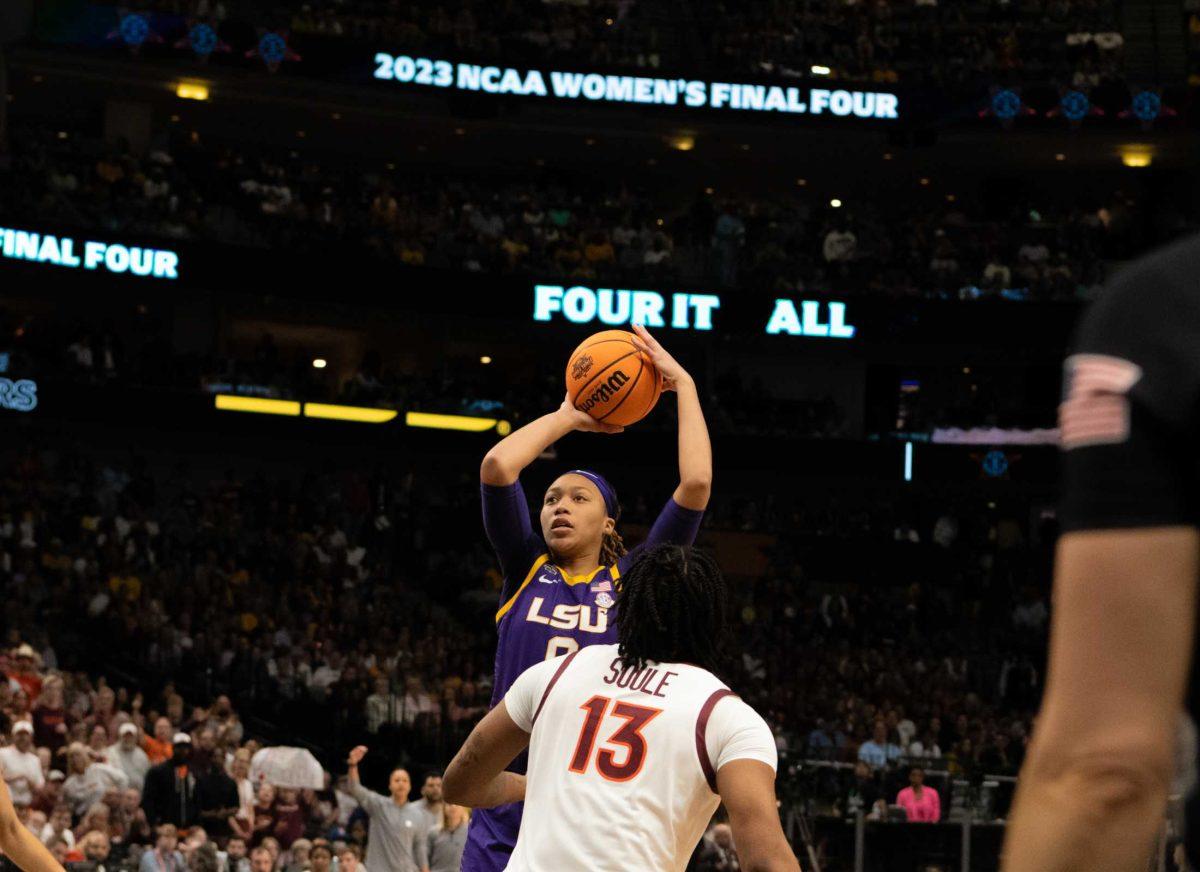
[[623, 762]]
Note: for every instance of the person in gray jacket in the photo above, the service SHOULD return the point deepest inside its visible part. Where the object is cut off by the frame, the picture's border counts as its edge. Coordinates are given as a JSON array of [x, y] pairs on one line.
[[397, 840], [446, 845]]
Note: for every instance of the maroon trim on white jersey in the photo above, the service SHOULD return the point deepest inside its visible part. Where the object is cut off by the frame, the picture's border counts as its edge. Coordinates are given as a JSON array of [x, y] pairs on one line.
[[710, 774], [562, 667]]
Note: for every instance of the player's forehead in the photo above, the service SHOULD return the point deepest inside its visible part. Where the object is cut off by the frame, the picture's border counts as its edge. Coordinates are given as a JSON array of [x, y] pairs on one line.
[[569, 482]]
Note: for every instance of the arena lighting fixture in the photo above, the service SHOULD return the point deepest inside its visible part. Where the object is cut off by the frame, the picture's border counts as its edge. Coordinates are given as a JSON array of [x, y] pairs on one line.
[[1137, 156], [362, 414], [683, 142], [465, 423], [191, 91], [320, 363], [234, 403], [819, 70]]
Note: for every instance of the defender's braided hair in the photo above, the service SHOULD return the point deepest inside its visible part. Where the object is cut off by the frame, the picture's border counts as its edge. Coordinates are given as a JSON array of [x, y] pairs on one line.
[[673, 607]]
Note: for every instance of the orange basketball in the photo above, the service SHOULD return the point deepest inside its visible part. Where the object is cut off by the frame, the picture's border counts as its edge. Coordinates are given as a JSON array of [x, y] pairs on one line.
[[611, 380]]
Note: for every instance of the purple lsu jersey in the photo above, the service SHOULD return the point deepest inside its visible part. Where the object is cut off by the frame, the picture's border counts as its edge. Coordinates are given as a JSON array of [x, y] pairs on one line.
[[545, 613], [552, 614]]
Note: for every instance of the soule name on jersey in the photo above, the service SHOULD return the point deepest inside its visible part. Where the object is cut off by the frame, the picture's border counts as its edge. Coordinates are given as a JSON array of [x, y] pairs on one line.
[[638, 679]]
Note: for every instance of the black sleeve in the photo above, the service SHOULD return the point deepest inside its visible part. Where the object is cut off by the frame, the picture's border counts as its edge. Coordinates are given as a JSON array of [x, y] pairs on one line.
[[1128, 415]]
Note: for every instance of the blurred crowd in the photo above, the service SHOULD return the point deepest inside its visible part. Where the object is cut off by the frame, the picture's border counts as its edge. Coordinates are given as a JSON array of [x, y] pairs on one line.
[[344, 605], [582, 230], [972, 43], [110, 779], [1064, 41]]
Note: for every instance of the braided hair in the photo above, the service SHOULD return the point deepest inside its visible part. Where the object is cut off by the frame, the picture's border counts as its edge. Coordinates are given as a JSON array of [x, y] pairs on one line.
[[673, 607], [612, 548]]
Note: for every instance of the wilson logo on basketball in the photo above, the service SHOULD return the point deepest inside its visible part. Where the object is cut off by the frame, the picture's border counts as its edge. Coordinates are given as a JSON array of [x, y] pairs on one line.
[[581, 367], [607, 390]]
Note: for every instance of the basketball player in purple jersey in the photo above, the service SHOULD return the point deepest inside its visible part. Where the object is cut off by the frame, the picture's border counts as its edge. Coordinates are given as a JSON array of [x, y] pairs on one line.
[[560, 584]]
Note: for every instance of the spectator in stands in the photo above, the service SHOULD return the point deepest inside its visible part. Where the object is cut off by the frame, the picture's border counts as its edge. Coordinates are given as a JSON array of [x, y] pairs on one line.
[[21, 767], [129, 819], [717, 852], [920, 801], [448, 841], [158, 747], [169, 796], [96, 847], [430, 804], [350, 859], [128, 756], [89, 778], [98, 740], [58, 827], [291, 815], [217, 801], [926, 746], [300, 851], [59, 849], [321, 858], [879, 752], [50, 720], [261, 860], [263, 817], [98, 818], [398, 837], [50, 796], [864, 793], [236, 854], [25, 674]]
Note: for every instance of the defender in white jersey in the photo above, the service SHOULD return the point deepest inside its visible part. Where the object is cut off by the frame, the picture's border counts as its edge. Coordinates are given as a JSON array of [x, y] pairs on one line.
[[632, 747]]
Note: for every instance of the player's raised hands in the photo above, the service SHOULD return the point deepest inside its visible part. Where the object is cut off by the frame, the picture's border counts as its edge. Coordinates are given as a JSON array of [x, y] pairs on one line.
[[673, 374], [356, 755], [583, 421]]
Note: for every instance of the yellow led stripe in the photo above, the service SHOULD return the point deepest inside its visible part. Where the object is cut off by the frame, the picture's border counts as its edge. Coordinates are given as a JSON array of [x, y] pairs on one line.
[[233, 403], [363, 414], [449, 422]]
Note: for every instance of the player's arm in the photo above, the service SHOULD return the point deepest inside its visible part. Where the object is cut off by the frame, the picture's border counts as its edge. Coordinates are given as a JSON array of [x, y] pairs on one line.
[[747, 789], [503, 463], [20, 845], [1092, 792], [695, 449], [476, 776]]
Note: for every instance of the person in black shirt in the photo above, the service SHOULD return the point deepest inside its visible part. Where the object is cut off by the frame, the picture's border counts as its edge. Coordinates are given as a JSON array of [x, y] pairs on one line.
[[216, 801], [1093, 789]]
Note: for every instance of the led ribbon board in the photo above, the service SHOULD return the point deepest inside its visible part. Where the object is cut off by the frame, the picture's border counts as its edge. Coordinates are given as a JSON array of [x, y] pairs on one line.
[[66, 251], [824, 319], [644, 90]]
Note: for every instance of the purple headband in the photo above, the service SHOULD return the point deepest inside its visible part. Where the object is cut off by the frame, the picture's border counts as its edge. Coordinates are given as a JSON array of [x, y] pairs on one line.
[[606, 490]]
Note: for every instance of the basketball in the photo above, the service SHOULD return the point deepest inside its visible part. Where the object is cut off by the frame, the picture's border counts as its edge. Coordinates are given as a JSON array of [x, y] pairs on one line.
[[611, 380]]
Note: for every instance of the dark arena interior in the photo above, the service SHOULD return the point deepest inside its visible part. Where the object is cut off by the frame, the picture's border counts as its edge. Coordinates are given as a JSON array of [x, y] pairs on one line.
[[275, 279]]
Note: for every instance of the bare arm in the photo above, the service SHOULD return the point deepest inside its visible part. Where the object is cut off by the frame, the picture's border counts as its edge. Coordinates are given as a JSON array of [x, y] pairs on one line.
[[18, 843], [1093, 788], [502, 465], [695, 449], [747, 788], [476, 776]]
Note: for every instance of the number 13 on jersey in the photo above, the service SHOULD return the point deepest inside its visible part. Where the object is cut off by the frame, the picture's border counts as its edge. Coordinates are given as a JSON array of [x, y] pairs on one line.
[[628, 735]]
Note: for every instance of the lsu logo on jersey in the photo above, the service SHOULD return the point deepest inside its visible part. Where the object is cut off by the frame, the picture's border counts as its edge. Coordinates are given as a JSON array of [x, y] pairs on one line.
[[568, 616]]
